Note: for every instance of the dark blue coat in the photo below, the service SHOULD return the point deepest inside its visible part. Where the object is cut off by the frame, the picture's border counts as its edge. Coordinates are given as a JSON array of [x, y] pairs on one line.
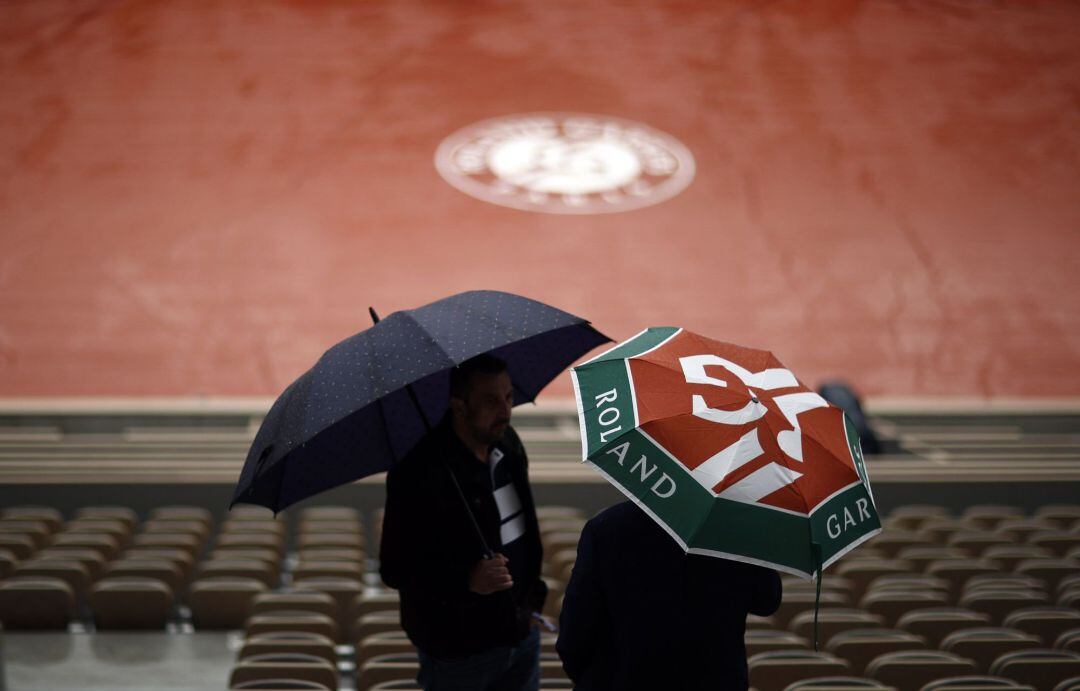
[[639, 613]]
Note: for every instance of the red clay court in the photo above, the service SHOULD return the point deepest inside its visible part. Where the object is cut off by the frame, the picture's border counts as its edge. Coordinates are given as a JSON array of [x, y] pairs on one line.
[[199, 198]]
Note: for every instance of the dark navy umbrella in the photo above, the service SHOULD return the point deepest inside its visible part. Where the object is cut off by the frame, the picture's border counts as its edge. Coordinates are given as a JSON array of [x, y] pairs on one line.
[[371, 397]]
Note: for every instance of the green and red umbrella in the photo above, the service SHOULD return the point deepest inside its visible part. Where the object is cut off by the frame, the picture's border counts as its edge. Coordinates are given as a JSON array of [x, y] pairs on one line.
[[726, 450]]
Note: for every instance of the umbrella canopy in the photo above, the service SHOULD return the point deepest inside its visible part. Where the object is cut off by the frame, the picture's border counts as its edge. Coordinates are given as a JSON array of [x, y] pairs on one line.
[[726, 450], [371, 397]]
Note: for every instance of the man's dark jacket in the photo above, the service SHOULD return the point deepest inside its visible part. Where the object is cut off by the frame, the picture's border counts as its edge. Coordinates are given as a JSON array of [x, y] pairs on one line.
[[639, 613], [429, 546]]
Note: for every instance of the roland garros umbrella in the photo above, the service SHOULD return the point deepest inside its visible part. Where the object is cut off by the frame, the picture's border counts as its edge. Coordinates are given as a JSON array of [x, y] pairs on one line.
[[370, 398], [726, 450]]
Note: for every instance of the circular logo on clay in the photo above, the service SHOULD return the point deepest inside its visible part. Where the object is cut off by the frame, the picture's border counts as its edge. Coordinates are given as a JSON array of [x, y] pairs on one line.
[[565, 163]]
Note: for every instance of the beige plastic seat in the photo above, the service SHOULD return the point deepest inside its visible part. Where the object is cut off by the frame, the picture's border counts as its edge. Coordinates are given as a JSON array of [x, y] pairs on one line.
[[69, 571], [958, 571], [976, 683], [1068, 640], [344, 592], [270, 666], [182, 559], [319, 646], [776, 670], [246, 541], [1003, 581], [46, 514], [115, 528], [766, 640], [18, 545], [986, 644], [798, 602], [366, 603], [895, 603], [188, 527], [837, 684], [345, 554], [223, 603], [183, 541], [130, 603], [278, 685], [308, 622], [250, 512], [1051, 571], [36, 603], [561, 526], [999, 603], [271, 557], [328, 525], [147, 567], [912, 516], [315, 540], [385, 643], [376, 622], [93, 561], [295, 601], [976, 542], [935, 623], [891, 542], [239, 568], [37, 531], [988, 516], [1048, 623], [920, 557], [253, 525], [940, 528], [330, 513], [1061, 515], [108, 545], [386, 668], [560, 541], [124, 514], [1016, 530], [182, 513], [556, 512], [913, 669], [860, 646], [1041, 668], [1058, 542], [834, 621], [329, 569]]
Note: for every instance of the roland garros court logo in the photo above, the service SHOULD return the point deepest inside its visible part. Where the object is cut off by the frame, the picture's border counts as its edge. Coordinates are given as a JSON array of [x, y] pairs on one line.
[[565, 163]]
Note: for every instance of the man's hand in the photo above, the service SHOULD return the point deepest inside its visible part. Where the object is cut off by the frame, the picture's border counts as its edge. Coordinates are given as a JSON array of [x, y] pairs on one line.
[[490, 575]]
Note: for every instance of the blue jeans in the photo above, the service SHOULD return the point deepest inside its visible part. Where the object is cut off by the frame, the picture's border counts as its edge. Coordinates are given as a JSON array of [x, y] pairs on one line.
[[509, 668]]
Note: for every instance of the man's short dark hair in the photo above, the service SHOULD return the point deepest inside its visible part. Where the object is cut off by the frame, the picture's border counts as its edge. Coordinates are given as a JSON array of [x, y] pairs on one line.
[[461, 376]]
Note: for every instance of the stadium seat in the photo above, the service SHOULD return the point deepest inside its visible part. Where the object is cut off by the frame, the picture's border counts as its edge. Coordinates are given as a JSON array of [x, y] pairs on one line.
[[37, 531], [935, 623], [344, 592], [303, 622], [36, 603], [384, 668], [18, 545], [976, 683], [1062, 515], [293, 666], [93, 561], [319, 646], [222, 603], [776, 670], [794, 603], [239, 568], [553, 511], [385, 643], [115, 528], [8, 562], [1041, 668], [182, 513], [958, 571], [70, 571], [330, 513], [1070, 684], [366, 603], [913, 669], [998, 603], [253, 525], [163, 570], [107, 545], [975, 542], [1058, 542], [328, 569], [765, 640], [986, 644], [894, 603], [342, 554], [1068, 640], [912, 516], [834, 621], [123, 514], [376, 622], [130, 603], [308, 541], [180, 558], [295, 601], [182, 541], [1003, 581], [920, 557], [988, 516], [46, 514], [861, 571], [891, 542], [1051, 571], [189, 527], [1048, 623], [836, 684], [245, 541], [860, 646], [278, 685]]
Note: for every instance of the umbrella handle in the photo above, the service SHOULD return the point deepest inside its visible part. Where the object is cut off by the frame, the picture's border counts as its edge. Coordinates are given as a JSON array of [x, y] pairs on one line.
[[815, 549], [468, 510]]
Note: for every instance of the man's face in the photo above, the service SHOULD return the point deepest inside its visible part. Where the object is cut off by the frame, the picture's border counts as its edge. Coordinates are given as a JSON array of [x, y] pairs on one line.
[[486, 408]]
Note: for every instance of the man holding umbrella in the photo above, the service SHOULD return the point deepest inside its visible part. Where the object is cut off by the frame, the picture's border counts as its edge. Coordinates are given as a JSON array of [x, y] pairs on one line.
[[461, 541]]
